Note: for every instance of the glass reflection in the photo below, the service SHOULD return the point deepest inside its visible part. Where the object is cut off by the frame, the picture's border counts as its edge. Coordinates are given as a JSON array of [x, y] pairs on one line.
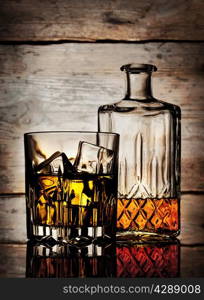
[[113, 260], [60, 261]]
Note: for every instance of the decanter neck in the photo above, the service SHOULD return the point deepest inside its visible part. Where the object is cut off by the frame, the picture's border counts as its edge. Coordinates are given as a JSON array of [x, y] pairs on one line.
[[138, 81]]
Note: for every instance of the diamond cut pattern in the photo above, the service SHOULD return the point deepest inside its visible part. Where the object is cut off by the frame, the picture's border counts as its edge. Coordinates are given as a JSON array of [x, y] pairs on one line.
[[147, 214], [148, 261]]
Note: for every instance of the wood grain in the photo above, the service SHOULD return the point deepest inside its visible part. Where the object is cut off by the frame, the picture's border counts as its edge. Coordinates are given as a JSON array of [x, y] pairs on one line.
[[192, 223], [13, 219], [13, 261], [192, 262], [60, 87], [91, 20]]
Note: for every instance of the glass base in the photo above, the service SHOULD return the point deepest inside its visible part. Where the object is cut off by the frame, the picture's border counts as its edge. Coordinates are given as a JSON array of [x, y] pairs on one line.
[[143, 236], [71, 235]]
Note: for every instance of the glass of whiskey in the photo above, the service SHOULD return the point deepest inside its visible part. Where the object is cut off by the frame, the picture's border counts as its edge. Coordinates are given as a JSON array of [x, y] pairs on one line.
[[71, 186]]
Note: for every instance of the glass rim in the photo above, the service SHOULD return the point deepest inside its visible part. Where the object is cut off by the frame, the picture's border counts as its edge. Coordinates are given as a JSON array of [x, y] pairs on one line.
[[71, 132]]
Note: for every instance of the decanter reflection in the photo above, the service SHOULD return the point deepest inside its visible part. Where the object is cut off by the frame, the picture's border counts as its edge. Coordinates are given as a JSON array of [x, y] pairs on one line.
[[148, 203], [138, 260], [149, 260]]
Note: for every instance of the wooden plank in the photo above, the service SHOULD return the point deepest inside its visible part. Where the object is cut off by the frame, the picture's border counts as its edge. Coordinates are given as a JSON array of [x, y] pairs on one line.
[[13, 223], [53, 87], [98, 20], [12, 219], [192, 262], [13, 261], [192, 224]]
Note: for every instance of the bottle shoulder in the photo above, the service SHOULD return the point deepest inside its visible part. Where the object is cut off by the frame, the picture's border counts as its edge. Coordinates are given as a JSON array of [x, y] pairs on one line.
[[135, 106]]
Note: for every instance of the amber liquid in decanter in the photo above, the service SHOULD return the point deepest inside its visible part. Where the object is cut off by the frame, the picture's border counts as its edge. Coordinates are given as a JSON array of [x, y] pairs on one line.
[[160, 216]]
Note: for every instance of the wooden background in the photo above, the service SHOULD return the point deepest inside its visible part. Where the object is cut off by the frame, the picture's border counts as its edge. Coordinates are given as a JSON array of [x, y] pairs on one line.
[[60, 60]]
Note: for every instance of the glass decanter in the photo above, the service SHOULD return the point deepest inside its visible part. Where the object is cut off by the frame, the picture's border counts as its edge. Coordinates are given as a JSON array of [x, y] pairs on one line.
[[148, 204]]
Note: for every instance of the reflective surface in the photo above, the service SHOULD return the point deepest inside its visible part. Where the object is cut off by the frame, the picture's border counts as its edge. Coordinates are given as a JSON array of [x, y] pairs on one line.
[[70, 261], [148, 260], [113, 260]]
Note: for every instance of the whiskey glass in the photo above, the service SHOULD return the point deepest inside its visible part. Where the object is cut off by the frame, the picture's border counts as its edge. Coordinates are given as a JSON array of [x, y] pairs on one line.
[[71, 186]]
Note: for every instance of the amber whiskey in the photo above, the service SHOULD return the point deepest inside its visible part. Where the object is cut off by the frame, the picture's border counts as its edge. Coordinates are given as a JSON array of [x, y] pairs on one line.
[[147, 217], [82, 203]]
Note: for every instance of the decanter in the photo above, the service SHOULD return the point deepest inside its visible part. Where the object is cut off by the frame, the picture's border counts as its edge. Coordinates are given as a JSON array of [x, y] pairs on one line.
[[148, 204]]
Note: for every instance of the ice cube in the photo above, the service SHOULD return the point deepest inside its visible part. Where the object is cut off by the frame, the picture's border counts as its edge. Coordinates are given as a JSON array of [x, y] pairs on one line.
[[57, 163], [94, 159]]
